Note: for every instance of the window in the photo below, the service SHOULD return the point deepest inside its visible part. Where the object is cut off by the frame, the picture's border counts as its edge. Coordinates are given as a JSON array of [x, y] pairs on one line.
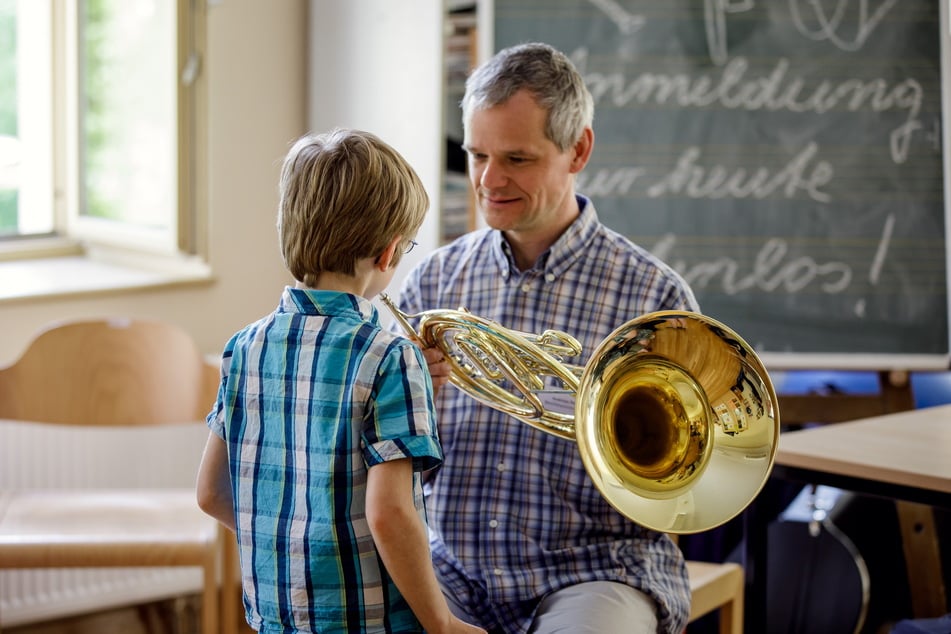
[[98, 108], [25, 118]]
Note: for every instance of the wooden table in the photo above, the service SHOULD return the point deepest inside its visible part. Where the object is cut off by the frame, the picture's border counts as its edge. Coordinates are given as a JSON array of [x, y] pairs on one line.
[[904, 456]]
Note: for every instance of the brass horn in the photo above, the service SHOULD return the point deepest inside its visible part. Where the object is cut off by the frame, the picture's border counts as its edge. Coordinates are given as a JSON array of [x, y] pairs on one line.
[[674, 414]]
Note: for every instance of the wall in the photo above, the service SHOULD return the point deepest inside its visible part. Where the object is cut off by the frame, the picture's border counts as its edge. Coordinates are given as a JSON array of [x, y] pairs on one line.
[[368, 72], [258, 61]]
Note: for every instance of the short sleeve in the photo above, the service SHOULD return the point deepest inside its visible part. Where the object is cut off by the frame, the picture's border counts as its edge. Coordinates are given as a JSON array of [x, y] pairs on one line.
[[216, 417], [402, 419]]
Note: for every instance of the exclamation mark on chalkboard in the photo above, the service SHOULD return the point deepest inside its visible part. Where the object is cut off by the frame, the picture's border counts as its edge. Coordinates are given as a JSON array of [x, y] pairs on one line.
[[875, 271]]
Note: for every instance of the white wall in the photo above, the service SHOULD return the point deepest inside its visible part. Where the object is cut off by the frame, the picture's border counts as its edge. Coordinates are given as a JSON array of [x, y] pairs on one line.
[[374, 64], [378, 65]]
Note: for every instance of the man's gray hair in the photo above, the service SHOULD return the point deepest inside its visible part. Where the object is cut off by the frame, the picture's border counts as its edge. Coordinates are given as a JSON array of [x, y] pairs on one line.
[[545, 72]]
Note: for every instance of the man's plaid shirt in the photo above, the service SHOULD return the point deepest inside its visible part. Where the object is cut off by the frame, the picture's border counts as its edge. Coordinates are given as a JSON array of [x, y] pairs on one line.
[[513, 513]]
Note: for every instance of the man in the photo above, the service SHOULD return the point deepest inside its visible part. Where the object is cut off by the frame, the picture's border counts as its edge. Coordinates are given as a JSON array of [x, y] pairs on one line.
[[522, 540]]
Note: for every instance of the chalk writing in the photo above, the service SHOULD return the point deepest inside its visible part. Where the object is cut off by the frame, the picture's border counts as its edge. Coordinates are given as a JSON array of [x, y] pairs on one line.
[[714, 18], [785, 156], [770, 270], [875, 270], [608, 181], [810, 18], [773, 271], [691, 179], [829, 27], [626, 23], [778, 90]]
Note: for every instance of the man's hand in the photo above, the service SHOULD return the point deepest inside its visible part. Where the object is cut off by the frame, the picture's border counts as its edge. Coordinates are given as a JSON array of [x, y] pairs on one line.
[[438, 367]]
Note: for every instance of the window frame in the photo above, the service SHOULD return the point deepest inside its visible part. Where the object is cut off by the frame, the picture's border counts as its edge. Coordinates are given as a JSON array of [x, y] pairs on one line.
[[73, 235]]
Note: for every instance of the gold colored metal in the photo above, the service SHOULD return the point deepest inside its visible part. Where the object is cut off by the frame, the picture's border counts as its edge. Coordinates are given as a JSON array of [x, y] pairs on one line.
[[675, 416]]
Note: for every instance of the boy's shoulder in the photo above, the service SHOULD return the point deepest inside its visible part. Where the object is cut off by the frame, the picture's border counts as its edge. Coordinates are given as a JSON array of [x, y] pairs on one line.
[[385, 337], [248, 331]]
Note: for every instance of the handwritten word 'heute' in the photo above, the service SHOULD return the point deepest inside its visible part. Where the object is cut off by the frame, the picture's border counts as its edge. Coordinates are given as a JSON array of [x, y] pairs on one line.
[[696, 182], [690, 179], [778, 90]]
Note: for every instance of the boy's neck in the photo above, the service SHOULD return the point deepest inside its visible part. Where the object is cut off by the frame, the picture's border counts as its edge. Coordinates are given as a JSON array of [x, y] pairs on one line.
[[360, 283], [324, 284]]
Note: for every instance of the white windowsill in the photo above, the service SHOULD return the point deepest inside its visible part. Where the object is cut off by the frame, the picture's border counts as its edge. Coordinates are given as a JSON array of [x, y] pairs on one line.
[[95, 273]]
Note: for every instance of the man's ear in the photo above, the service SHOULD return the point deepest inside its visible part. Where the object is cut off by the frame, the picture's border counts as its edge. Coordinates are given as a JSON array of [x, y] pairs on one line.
[[384, 260], [582, 149]]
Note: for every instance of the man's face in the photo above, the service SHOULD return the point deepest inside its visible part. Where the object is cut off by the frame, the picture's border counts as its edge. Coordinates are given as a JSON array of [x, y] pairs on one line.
[[523, 183]]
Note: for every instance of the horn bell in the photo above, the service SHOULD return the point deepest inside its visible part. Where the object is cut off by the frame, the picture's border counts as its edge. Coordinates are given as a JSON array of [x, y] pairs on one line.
[[676, 421]]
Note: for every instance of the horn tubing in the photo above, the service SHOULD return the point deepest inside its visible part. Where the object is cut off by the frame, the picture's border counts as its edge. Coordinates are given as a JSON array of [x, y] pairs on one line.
[[675, 416]]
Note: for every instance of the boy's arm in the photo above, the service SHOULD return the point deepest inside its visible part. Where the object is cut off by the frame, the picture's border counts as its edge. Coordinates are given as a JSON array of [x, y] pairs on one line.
[[214, 482], [402, 541]]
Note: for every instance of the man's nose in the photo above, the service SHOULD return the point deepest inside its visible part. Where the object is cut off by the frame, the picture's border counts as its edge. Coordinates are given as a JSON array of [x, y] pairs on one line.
[[493, 175]]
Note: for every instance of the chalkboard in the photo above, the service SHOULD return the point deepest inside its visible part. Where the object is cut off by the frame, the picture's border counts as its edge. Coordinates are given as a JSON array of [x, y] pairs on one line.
[[785, 156]]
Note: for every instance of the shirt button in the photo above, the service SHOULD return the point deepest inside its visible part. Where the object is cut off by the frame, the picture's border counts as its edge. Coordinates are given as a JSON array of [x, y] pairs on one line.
[[526, 287], [550, 277], [498, 572], [500, 466], [493, 523]]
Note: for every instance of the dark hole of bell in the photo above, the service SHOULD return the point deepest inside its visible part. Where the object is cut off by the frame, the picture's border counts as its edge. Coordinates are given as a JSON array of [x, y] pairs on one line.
[[642, 428]]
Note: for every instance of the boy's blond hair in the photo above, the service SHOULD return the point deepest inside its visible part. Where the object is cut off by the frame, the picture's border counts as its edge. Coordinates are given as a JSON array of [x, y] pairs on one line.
[[344, 195]]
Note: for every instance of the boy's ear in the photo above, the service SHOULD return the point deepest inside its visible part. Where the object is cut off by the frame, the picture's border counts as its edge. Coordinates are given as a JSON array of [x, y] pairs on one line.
[[384, 260]]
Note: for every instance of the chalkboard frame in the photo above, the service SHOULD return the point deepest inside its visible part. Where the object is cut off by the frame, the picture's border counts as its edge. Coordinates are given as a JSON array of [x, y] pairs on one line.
[[817, 360]]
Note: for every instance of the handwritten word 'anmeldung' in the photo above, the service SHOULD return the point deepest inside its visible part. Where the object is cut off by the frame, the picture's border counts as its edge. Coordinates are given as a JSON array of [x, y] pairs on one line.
[[777, 90]]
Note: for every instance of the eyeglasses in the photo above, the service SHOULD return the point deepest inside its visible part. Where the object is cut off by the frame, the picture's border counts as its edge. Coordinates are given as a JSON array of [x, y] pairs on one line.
[[412, 245]]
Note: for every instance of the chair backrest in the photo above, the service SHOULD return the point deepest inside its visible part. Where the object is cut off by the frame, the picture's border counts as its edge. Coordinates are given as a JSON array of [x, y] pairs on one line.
[[109, 372]]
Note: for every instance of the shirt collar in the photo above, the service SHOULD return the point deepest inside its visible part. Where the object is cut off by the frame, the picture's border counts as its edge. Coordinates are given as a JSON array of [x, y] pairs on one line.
[[327, 303], [559, 257]]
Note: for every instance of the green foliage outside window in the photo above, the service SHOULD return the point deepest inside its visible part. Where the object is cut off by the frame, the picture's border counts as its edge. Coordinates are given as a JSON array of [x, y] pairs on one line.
[[126, 142], [127, 104], [96, 124], [8, 107]]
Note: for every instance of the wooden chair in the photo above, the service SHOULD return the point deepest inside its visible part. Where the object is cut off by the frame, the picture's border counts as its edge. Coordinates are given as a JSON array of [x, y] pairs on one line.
[[717, 587], [104, 372]]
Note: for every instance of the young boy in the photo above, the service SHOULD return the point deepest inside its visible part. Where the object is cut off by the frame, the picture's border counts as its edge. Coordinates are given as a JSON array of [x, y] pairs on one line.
[[324, 420]]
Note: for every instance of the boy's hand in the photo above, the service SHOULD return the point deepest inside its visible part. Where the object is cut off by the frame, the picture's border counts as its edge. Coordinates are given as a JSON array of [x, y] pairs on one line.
[[457, 626], [465, 628]]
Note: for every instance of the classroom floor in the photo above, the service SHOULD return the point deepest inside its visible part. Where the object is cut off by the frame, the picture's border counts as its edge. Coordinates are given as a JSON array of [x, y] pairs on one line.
[[174, 616]]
